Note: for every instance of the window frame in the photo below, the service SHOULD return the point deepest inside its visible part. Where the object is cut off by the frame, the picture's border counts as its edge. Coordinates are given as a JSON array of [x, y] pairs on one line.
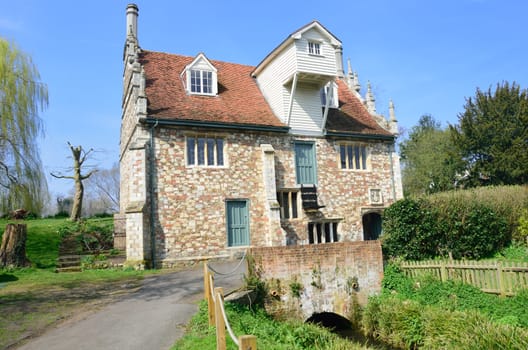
[[315, 48], [206, 82], [350, 151], [201, 158], [293, 210]]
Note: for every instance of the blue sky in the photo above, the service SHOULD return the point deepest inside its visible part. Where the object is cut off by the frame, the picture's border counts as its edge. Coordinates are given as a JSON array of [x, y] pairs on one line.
[[428, 56]]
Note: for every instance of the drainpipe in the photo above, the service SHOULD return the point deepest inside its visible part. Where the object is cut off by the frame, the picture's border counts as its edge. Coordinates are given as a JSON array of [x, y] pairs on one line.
[[151, 192]]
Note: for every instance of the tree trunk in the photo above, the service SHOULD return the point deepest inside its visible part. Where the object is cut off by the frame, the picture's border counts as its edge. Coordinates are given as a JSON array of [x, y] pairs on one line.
[[13, 248]]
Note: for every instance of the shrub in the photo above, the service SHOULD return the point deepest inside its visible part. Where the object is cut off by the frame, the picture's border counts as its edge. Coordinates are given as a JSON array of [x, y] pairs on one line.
[[522, 229], [418, 229], [410, 230]]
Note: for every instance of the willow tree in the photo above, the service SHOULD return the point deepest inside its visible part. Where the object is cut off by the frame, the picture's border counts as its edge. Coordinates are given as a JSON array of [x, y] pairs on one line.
[[22, 97]]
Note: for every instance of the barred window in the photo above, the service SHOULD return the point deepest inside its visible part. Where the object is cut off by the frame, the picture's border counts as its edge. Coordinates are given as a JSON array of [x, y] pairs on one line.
[[205, 151], [353, 156]]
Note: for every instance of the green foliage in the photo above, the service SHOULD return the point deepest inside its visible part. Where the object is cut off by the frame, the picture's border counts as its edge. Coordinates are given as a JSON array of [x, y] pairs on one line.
[[270, 334], [429, 159], [23, 184], [94, 235], [523, 226], [410, 230], [457, 223], [492, 134], [506, 201], [410, 325], [456, 296]]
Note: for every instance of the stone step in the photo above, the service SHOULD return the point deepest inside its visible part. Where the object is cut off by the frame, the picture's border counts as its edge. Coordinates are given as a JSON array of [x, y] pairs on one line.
[[69, 269]]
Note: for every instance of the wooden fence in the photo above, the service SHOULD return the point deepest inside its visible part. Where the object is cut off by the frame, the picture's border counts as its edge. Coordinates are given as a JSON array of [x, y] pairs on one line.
[[497, 277], [218, 317]]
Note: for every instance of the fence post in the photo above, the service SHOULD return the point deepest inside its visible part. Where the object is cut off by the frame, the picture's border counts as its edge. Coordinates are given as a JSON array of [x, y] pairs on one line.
[[443, 272], [220, 323], [500, 277], [247, 342], [208, 296]]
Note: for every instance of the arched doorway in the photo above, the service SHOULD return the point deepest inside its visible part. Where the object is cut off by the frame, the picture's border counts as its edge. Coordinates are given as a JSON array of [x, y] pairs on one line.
[[371, 226]]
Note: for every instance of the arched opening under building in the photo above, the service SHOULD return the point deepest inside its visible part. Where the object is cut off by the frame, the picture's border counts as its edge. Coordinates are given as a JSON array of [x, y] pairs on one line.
[[371, 226], [330, 320]]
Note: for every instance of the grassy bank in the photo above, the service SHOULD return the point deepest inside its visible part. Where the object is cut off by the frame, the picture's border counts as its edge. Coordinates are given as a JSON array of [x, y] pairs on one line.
[[271, 334]]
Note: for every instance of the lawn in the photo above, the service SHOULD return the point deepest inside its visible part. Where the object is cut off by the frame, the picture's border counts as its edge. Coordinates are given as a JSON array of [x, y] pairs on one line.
[[34, 298]]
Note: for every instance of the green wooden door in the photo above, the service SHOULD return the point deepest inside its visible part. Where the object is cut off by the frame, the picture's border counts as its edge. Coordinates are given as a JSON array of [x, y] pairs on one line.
[[237, 223], [305, 168]]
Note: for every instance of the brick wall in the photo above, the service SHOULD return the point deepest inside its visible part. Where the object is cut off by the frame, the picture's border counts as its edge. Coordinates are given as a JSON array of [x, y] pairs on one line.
[[326, 273]]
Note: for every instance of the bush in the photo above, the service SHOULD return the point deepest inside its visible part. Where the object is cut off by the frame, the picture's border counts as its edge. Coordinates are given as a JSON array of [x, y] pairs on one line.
[[418, 229], [410, 230]]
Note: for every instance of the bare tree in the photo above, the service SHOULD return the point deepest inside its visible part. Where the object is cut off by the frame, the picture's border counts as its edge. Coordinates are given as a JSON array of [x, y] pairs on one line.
[[79, 157], [104, 186]]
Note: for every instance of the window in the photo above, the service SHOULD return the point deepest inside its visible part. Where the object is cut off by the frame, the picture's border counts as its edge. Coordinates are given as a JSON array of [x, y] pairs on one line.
[[205, 151], [322, 232], [329, 90], [314, 48], [201, 82], [353, 156], [289, 204], [305, 167]]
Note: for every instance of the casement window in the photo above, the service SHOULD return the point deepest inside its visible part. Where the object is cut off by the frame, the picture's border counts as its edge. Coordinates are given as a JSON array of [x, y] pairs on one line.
[[322, 232], [289, 201], [353, 156], [205, 151], [329, 91], [201, 82], [200, 77], [314, 48]]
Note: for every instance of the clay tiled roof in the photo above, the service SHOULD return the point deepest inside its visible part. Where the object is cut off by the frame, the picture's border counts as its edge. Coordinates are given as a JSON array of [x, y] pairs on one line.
[[352, 116], [239, 100]]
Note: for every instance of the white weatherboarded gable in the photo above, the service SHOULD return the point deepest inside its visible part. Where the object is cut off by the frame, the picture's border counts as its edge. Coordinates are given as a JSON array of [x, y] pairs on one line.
[[291, 77]]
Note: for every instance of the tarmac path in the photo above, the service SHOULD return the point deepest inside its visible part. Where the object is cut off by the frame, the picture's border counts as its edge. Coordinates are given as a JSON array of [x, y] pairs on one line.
[[150, 318]]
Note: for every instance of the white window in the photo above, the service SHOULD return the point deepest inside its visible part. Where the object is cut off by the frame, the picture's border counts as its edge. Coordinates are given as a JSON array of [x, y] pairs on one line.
[[200, 77], [353, 156], [329, 91], [314, 48], [201, 82], [205, 151]]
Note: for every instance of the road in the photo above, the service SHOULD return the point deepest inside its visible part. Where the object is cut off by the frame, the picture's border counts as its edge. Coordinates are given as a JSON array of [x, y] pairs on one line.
[[153, 317]]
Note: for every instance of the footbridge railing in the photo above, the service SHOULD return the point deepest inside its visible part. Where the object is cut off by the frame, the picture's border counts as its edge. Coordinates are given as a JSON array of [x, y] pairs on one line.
[[218, 317]]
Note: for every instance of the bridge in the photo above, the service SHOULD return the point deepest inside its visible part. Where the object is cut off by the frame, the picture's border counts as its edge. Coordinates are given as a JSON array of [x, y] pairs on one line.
[[318, 279]]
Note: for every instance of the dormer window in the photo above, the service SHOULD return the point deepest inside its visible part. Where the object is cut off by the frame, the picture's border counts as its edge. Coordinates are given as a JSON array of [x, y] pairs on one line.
[[200, 77], [201, 82], [314, 48]]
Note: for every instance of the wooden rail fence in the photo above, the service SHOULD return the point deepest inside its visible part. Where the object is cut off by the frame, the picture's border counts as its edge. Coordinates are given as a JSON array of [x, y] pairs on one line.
[[218, 317], [497, 277]]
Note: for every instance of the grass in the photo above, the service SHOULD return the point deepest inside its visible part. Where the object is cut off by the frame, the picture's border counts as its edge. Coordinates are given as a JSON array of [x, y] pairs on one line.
[[427, 313], [34, 298], [271, 334]]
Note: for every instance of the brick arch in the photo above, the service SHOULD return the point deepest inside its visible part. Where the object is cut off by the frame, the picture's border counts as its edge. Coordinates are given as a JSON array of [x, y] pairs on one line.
[[330, 320]]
